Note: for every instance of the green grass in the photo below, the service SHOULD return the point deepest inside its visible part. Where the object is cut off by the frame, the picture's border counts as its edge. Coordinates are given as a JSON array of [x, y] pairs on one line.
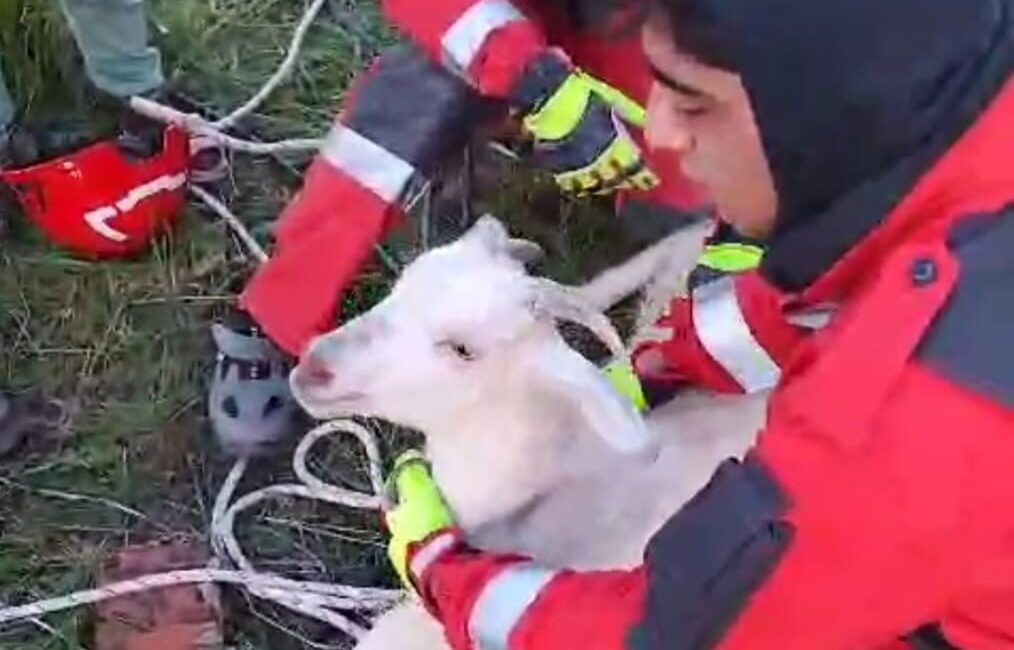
[[125, 345]]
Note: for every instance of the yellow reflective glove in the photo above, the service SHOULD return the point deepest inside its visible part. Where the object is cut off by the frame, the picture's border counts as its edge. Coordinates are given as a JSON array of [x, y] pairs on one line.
[[420, 511], [731, 257], [624, 379], [579, 134]]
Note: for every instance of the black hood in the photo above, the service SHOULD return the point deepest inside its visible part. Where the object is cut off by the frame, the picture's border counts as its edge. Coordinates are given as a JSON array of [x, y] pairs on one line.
[[855, 99]]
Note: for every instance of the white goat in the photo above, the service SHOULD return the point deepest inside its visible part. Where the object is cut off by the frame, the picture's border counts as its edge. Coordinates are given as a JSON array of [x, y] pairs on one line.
[[466, 350]]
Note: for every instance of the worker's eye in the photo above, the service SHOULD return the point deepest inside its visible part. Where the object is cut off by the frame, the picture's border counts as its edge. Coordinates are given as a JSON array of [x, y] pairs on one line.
[[691, 106], [693, 111], [460, 350]]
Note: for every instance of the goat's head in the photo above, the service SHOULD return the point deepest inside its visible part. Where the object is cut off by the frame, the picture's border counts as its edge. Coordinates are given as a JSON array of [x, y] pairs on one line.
[[462, 322]]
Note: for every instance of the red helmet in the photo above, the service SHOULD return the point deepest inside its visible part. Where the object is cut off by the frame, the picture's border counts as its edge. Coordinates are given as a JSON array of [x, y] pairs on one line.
[[98, 203]]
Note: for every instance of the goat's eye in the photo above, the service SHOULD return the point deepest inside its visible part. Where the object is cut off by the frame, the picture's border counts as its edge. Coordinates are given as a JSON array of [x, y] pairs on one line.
[[459, 349]]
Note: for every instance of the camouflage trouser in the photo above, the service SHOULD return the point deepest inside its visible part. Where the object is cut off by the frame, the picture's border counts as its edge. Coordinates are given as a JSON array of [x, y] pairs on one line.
[[113, 38]]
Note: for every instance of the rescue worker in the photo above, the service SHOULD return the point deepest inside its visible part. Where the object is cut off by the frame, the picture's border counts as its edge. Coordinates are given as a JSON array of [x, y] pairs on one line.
[[870, 143]]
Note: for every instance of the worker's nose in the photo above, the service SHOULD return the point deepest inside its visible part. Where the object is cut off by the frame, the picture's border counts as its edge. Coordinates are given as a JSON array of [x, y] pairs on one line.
[[313, 372], [666, 128]]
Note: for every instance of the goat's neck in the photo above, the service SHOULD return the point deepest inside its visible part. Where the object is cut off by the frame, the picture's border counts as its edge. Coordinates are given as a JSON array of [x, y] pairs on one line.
[[497, 458]]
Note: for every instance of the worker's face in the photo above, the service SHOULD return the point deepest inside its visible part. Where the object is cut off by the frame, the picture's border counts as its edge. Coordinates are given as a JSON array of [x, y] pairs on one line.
[[704, 114]]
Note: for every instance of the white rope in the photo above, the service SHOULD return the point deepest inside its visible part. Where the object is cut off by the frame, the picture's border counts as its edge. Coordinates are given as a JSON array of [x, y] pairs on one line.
[[310, 591], [232, 221], [319, 600], [283, 71], [342, 496], [196, 125]]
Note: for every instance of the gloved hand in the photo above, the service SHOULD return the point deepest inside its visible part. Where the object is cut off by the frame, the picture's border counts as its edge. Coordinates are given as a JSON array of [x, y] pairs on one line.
[[577, 124], [420, 516], [624, 379]]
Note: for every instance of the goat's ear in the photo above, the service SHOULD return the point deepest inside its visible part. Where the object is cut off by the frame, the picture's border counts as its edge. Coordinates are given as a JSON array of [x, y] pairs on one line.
[[575, 381]]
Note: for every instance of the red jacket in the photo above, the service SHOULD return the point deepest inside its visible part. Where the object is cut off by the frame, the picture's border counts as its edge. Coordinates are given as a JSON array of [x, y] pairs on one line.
[[879, 496]]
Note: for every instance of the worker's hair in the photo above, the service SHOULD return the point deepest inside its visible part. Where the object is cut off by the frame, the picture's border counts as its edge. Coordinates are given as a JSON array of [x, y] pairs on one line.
[[691, 22]]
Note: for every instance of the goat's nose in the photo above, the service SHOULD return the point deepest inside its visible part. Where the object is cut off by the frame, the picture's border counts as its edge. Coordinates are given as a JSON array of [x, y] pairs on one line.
[[313, 373]]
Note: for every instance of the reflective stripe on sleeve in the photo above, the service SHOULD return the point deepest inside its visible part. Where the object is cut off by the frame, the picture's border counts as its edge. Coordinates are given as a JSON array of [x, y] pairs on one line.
[[373, 166], [724, 333], [503, 603], [464, 39]]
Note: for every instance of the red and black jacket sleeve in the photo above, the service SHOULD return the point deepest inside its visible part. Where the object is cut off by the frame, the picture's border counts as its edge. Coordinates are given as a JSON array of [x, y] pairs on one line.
[[404, 116], [489, 43], [730, 332]]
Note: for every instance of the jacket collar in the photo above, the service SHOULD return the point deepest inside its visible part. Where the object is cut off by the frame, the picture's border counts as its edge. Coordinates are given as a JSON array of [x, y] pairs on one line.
[[976, 175]]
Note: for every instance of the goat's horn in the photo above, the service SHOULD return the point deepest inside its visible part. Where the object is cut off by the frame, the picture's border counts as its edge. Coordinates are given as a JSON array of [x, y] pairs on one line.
[[564, 303]]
